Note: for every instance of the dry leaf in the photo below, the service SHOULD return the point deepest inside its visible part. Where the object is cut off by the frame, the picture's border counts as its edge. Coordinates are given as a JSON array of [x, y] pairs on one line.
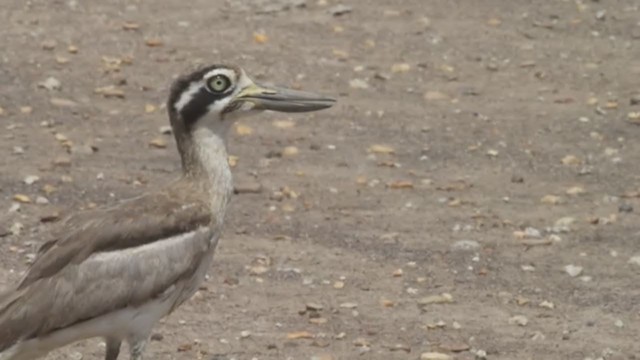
[[576, 190], [381, 149], [400, 68], [551, 200], [153, 42], [447, 68], [260, 38], [443, 298], [290, 151], [387, 303], [158, 142], [62, 102], [185, 347], [435, 96], [571, 160], [62, 60], [130, 26], [400, 184], [456, 185], [49, 189], [243, 130], [340, 54], [110, 92], [22, 198], [611, 105], [149, 108], [233, 160], [284, 124], [299, 335]]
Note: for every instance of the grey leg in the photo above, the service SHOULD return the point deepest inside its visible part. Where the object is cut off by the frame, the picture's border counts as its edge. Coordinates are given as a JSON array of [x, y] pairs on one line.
[[113, 349], [136, 347]]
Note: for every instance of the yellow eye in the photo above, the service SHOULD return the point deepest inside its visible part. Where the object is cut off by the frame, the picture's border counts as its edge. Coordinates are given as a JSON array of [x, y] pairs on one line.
[[218, 83]]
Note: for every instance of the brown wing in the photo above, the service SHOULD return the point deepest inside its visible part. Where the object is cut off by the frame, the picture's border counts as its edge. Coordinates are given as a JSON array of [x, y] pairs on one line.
[[100, 284], [178, 209]]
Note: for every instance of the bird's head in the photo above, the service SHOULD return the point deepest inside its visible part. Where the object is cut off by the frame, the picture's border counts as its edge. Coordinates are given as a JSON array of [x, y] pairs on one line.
[[216, 95]]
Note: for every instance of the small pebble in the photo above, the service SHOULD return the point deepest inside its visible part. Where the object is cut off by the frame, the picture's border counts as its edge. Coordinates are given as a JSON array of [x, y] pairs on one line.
[[443, 298], [625, 208], [573, 270], [465, 245], [50, 84], [519, 320], [41, 200], [618, 323], [31, 179], [358, 84], [634, 260], [340, 10]]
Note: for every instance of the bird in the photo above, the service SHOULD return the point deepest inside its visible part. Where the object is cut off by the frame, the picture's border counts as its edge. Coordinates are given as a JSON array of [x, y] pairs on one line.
[[114, 272]]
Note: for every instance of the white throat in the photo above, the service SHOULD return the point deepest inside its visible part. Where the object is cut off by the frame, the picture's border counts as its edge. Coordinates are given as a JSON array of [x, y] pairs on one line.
[[210, 150]]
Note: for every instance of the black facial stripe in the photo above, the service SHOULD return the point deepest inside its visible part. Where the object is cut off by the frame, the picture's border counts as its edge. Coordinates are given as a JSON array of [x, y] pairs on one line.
[[198, 106]]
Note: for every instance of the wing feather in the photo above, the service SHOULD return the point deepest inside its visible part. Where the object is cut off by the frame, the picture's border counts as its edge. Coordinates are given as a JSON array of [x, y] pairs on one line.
[[109, 259], [102, 283], [132, 223]]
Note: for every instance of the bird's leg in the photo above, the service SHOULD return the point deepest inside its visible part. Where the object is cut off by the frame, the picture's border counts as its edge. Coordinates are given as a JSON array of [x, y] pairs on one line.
[[136, 347], [113, 349]]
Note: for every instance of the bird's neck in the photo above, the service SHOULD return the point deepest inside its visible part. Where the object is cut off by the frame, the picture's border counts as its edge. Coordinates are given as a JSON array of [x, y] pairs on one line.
[[205, 159]]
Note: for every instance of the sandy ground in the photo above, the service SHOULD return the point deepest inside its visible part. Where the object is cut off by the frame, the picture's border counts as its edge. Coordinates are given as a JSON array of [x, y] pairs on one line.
[[478, 148]]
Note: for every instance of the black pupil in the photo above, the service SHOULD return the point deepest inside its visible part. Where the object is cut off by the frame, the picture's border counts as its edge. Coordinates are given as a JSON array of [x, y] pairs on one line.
[[219, 83]]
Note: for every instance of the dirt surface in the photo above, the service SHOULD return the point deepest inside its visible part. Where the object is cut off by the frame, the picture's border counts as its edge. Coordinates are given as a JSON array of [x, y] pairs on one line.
[[477, 149]]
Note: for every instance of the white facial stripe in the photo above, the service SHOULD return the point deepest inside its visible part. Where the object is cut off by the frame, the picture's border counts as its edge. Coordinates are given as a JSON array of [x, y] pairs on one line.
[[195, 86], [231, 74], [188, 95], [215, 110]]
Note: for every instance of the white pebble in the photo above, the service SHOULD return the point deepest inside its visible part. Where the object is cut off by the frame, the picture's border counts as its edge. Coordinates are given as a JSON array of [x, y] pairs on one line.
[[519, 320], [573, 270], [618, 323], [635, 260], [528, 268], [465, 245], [30, 179], [532, 233], [41, 200]]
